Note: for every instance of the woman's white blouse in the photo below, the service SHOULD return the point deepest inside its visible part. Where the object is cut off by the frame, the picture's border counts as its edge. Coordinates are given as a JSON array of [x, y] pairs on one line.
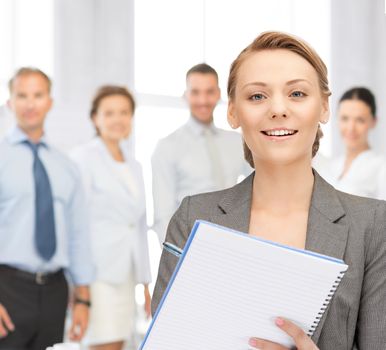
[[366, 176], [116, 199]]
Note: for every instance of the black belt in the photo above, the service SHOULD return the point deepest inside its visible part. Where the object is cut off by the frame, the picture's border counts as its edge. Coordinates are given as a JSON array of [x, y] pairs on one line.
[[40, 278]]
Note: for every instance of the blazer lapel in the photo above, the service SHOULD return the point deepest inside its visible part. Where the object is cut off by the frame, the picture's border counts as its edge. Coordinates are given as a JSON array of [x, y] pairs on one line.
[[234, 209], [327, 231], [325, 234]]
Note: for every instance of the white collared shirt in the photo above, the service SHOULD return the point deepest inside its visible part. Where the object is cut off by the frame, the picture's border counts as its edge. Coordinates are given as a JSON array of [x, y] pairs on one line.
[[17, 210], [181, 167]]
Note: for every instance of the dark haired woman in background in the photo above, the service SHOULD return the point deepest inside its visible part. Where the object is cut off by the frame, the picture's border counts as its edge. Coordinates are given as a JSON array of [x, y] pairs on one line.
[[360, 170], [116, 200]]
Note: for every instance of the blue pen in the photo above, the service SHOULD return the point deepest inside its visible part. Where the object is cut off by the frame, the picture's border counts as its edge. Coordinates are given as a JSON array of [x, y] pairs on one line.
[[171, 248]]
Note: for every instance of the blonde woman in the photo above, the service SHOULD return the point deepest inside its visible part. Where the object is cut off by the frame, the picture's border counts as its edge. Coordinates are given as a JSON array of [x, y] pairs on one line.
[[278, 94]]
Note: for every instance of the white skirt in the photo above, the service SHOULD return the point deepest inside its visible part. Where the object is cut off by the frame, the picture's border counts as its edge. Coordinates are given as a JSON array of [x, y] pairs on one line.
[[112, 313]]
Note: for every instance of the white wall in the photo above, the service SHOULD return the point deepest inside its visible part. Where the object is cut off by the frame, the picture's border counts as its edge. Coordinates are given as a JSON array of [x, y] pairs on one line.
[[358, 57], [93, 46]]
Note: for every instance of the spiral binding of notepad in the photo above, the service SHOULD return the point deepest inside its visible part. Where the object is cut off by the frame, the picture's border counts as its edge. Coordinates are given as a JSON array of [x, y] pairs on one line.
[[325, 304]]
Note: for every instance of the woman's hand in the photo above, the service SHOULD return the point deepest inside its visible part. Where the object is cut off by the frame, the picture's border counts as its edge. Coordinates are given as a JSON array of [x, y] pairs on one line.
[[80, 313], [80, 316], [301, 340], [6, 324], [147, 300]]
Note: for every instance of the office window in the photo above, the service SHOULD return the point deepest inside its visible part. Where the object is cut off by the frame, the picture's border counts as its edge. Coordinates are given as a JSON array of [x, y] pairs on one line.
[[189, 32], [26, 37], [184, 33]]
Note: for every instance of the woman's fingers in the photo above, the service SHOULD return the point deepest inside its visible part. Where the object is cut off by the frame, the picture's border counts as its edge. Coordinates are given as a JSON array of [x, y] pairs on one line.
[[5, 322], [263, 344], [300, 338]]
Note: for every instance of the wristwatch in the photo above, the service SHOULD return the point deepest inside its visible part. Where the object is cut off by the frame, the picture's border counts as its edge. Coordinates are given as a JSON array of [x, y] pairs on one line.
[[82, 301]]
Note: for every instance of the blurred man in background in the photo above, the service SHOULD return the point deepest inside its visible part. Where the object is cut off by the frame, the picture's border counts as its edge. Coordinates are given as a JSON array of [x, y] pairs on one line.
[[198, 157], [43, 227]]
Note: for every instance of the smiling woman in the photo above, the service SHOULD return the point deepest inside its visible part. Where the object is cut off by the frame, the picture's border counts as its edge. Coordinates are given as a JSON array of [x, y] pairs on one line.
[[360, 170], [302, 88], [289, 101], [119, 240], [278, 94]]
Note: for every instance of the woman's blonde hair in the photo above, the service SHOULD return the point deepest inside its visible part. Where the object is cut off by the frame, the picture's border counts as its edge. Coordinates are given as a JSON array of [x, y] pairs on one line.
[[279, 40]]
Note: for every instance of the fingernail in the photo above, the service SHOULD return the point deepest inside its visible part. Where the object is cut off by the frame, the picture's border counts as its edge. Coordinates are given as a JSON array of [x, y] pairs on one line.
[[252, 342], [279, 321]]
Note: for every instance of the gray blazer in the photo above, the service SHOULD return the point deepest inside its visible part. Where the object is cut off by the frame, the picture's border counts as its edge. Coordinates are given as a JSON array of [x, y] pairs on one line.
[[340, 225]]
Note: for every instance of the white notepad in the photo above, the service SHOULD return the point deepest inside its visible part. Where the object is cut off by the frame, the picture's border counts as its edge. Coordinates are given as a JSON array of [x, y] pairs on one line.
[[229, 286]]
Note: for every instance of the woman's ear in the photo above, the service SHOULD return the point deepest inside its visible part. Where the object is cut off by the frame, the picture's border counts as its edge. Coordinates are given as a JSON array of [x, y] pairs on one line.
[[232, 118], [325, 115], [95, 120]]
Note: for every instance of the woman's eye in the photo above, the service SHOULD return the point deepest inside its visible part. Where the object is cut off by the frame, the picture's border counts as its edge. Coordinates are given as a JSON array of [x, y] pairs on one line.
[[257, 97], [298, 94]]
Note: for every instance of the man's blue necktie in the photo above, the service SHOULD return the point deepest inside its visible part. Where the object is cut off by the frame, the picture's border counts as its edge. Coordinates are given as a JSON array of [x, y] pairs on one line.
[[45, 238]]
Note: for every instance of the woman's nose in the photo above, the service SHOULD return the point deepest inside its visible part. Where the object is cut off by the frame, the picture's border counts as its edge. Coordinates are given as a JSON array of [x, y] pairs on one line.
[[278, 108]]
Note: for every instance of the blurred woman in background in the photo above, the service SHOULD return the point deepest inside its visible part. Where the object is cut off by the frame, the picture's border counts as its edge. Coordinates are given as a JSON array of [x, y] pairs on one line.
[[116, 200], [360, 170]]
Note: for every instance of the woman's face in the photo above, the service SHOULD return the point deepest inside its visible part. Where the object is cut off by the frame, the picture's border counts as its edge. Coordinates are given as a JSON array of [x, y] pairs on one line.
[[113, 118], [278, 105], [355, 121]]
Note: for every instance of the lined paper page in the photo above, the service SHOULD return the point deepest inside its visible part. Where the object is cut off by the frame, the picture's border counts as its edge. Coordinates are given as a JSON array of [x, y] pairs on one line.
[[231, 286]]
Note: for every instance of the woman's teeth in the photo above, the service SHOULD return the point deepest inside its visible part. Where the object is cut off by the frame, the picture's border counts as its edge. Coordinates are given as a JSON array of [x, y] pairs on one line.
[[279, 132]]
